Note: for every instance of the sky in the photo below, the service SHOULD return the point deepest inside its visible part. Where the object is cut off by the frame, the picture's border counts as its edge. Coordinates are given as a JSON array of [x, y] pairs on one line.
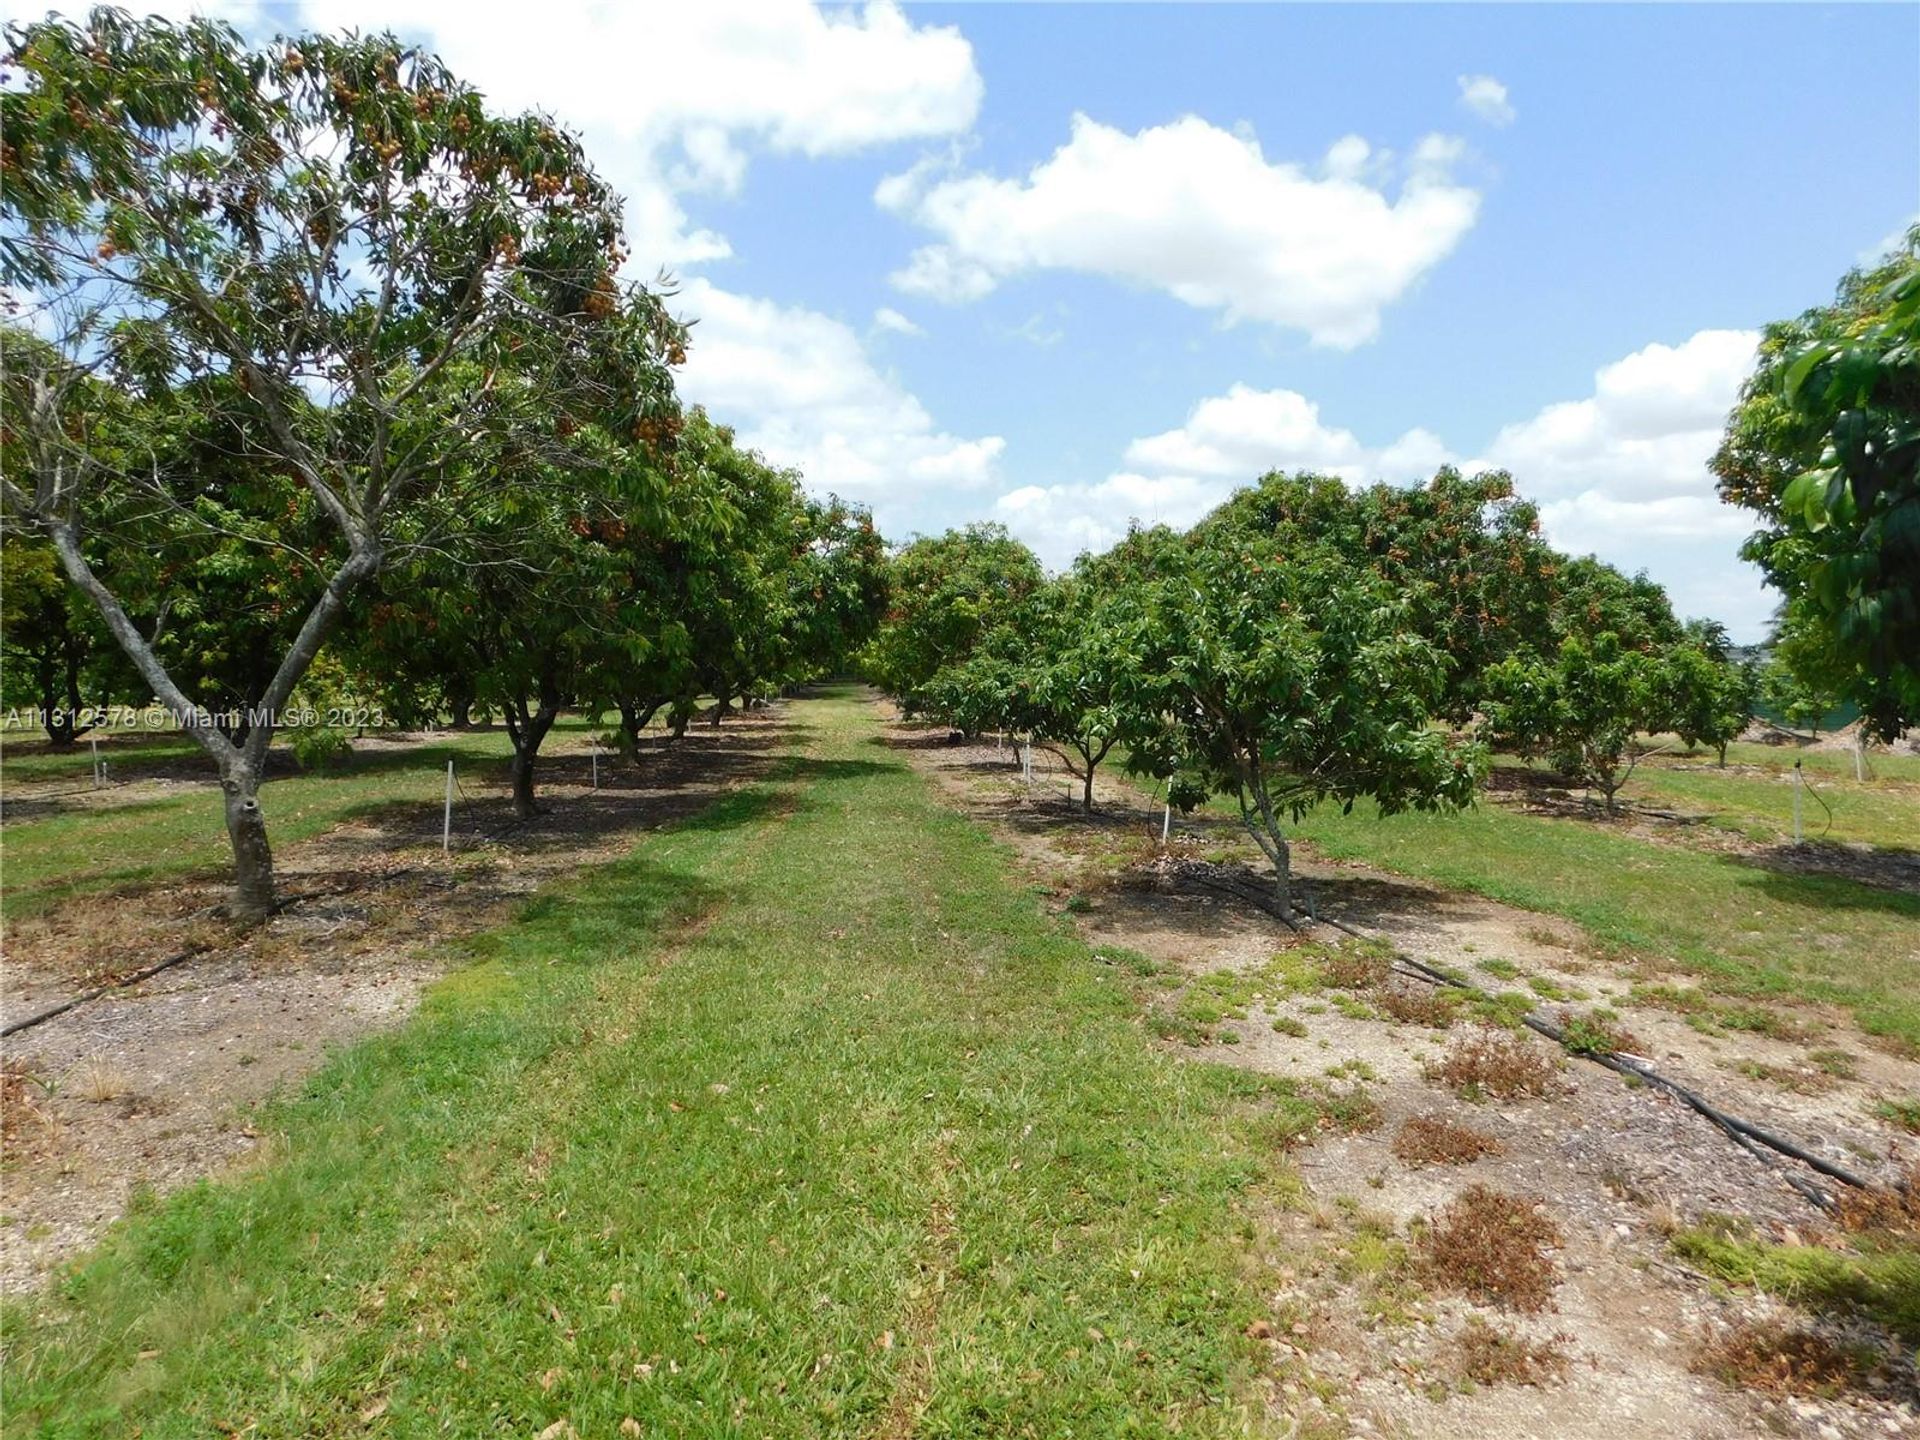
[[1068, 266]]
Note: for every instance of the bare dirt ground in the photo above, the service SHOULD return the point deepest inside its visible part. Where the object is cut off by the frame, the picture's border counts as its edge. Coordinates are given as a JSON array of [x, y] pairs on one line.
[[1617, 1169], [153, 1086]]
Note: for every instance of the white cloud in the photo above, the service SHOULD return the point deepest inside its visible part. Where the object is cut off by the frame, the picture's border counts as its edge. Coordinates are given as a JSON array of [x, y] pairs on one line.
[[799, 387], [1246, 432], [891, 320], [1200, 213], [1646, 432], [1487, 98], [671, 98], [1621, 473], [1178, 475]]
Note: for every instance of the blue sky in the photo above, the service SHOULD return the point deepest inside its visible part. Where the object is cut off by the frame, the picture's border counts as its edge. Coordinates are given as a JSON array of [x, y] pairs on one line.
[[1063, 265]]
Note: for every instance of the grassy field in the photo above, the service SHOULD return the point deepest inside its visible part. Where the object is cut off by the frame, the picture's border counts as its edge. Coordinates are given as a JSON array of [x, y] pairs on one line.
[[805, 1118], [89, 851], [1738, 924]]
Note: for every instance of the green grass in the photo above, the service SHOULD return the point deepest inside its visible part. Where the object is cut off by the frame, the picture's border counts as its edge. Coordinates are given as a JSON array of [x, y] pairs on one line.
[[1881, 1281], [802, 1119], [1880, 812], [1741, 927], [88, 851]]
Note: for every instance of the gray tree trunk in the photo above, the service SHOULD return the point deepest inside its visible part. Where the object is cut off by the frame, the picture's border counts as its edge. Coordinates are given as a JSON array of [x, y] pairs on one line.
[[253, 889]]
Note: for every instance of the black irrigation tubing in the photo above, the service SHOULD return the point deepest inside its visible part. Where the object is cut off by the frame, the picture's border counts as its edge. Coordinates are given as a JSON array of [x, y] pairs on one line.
[[16, 1026], [1743, 1133]]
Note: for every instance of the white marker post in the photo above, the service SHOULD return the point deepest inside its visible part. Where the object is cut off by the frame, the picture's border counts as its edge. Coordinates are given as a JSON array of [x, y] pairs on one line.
[[94, 741], [1860, 753], [446, 816], [1798, 782], [1166, 821], [596, 764], [1026, 763]]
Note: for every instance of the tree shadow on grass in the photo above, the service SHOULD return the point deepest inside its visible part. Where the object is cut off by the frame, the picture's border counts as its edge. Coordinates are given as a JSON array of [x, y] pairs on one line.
[[1793, 881], [1878, 867]]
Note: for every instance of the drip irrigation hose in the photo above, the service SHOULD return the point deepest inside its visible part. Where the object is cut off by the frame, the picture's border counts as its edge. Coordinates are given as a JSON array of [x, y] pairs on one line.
[[1742, 1132], [1763, 1144], [14, 1027]]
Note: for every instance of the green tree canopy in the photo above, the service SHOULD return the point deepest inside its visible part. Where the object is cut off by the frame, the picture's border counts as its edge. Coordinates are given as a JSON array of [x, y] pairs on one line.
[[337, 244], [947, 591], [1825, 447]]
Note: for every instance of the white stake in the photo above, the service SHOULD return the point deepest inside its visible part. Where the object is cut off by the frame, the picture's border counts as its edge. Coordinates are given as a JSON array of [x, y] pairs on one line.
[[596, 764], [94, 741], [446, 816], [1860, 754], [1798, 781], [1166, 821]]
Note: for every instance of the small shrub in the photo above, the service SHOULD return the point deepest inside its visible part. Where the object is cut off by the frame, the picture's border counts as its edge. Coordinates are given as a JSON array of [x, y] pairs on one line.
[[1430, 1140], [1494, 965], [1487, 1355], [1548, 989], [1779, 1358], [1079, 905], [1131, 961], [1491, 1247], [320, 747], [1759, 1020], [1596, 1032], [1287, 1025], [1509, 1009], [1429, 1005], [1353, 1008], [1498, 1063]]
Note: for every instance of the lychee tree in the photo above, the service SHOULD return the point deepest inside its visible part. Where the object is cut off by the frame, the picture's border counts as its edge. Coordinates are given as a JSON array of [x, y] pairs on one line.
[[1295, 677], [337, 237]]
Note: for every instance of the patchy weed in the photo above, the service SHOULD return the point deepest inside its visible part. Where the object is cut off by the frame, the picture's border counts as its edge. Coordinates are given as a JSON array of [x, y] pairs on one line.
[[1428, 1005], [1780, 1358], [1431, 1140], [1489, 1062], [1491, 1247], [1904, 1112], [1488, 1355], [1596, 1032]]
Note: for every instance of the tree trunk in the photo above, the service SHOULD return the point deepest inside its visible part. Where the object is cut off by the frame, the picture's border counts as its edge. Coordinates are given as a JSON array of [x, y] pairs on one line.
[[62, 723], [460, 712], [522, 772], [253, 891], [633, 723], [1086, 791], [1283, 877], [527, 732]]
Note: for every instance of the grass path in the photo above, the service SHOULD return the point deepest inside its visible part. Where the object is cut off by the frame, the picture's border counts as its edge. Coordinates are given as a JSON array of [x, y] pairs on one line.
[[804, 1119]]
